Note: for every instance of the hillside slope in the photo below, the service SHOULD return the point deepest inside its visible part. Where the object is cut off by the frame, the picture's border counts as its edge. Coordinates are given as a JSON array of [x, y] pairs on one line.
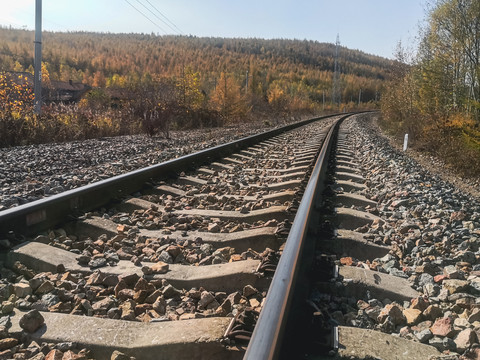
[[299, 68]]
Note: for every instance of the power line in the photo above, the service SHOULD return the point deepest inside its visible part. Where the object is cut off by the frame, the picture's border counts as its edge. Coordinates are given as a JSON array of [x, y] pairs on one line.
[[163, 21], [154, 14], [165, 17], [154, 23]]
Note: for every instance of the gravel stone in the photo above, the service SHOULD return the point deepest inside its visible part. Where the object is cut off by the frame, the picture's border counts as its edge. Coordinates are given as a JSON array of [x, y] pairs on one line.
[[31, 321], [38, 171]]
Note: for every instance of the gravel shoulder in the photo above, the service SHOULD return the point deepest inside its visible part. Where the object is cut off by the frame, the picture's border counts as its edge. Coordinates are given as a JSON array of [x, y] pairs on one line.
[[29, 173], [433, 229]]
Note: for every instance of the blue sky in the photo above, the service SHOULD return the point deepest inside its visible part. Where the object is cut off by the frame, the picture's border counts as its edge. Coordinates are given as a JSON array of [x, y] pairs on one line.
[[373, 26]]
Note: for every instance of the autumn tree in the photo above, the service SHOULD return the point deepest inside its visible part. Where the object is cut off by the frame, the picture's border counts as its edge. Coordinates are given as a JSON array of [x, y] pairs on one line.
[[188, 87], [277, 97], [437, 97], [16, 101], [450, 60], [116, 80], [156, 104], [15, 94], [45, 76], [98, 79], [399, 104], [227, 97], [18, 67]]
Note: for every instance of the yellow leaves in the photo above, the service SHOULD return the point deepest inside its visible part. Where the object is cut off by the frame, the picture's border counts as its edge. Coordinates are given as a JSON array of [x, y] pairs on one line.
[[460, 121], [15, 96], [103, 123], [83, 103], [18, 67], [31, 121], [45, 76], [276, 93], [65, 119], [464, 125], [117, 81], [188, 86]]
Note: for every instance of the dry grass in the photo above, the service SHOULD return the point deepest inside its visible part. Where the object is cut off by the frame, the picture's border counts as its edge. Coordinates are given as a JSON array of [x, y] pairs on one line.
[[456, 140]]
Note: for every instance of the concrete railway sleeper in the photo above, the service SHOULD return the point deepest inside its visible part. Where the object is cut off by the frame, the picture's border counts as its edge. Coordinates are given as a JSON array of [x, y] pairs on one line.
[[110, 271], [347, 217], [350, 220], [406, 279]]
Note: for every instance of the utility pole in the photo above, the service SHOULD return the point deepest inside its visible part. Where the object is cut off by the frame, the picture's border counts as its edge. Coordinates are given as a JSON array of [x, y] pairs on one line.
[[359, 96], [323, 100], [37, 81], [246, 83], [336, 75]]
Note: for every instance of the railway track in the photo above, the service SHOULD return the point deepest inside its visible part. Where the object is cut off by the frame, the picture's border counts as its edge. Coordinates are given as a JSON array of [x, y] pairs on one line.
[[317, 278], [197, 240], [394, 270], [268, 247]]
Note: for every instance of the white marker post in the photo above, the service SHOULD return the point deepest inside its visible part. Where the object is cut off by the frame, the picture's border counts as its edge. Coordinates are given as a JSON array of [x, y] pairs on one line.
[[405, 142]]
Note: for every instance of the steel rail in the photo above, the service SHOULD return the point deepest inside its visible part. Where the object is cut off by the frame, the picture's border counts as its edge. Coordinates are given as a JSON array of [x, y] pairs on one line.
[[267, 340], [42, 214]]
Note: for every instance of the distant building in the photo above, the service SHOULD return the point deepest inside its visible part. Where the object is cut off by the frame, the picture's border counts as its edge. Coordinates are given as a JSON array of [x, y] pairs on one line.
[[63, 91], [57, 91], [118, 96]]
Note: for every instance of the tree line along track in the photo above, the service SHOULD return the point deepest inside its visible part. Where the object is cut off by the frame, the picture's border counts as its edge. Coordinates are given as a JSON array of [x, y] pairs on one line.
[[199, 247]]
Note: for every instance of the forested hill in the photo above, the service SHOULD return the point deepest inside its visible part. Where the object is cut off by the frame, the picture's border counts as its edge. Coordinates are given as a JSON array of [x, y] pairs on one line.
[[283, 66]]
